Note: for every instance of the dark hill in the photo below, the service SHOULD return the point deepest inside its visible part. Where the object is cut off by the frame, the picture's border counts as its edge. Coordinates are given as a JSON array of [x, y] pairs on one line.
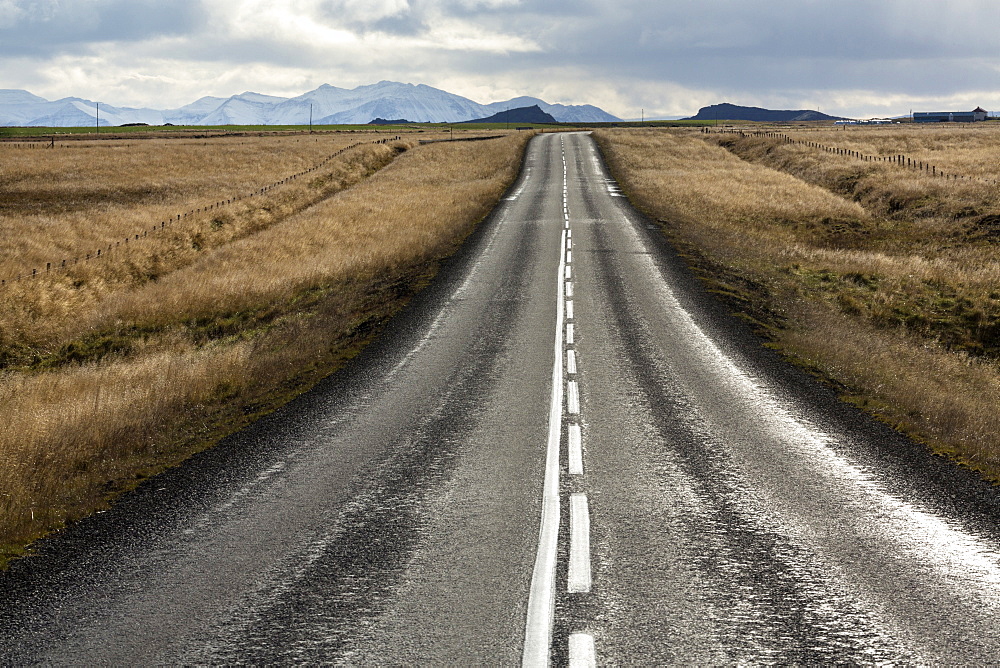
[[734, 112], [532, 114], [383, 121]]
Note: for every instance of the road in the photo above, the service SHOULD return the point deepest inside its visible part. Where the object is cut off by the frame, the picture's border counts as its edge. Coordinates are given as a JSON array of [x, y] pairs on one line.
[[563, 451]]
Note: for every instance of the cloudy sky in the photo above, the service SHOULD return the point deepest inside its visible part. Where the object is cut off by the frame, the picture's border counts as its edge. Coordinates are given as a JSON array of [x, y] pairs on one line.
[[660, 57]]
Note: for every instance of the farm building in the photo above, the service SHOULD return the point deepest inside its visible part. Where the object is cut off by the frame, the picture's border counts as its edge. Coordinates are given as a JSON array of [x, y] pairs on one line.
[[978, 114]]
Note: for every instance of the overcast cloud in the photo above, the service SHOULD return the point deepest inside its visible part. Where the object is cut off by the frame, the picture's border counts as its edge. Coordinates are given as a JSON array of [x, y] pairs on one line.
[[844, 57]]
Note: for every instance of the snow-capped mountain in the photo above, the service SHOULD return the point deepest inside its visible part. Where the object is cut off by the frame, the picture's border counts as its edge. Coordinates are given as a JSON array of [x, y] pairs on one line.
[[245, 109], [19, 107], [388, 99], [327, 104]]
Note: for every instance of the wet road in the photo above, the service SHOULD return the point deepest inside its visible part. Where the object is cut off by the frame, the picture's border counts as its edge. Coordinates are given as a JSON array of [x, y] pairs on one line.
[[563, 451]]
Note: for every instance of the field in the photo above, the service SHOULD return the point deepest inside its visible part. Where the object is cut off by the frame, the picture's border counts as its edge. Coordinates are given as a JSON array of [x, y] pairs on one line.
[[876, 273], [151, 290], [137, 132]]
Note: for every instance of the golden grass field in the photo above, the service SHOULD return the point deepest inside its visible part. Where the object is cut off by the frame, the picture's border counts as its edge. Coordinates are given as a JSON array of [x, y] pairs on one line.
[[881, 279], [116, 366]]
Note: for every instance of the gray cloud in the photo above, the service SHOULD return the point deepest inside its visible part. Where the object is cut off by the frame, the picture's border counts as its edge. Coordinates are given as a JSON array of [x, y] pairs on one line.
[[44, 28], [784, 50]]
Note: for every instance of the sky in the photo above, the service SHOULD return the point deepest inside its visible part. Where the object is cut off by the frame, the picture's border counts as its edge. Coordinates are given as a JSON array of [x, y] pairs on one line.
[[655, 58]]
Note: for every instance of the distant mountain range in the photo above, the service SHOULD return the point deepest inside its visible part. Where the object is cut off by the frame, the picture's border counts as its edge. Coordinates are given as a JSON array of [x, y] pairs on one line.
[[733, 112], [329, 105]]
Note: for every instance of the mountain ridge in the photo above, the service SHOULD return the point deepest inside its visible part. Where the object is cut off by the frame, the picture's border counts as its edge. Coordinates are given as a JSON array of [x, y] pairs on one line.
[[325, 105], [532, 114], [735, 112]]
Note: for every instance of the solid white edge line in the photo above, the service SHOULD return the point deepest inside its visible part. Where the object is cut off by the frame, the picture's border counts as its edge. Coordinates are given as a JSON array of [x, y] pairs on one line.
[[575, 450], [578, 576], [581, 651], [541, 596]]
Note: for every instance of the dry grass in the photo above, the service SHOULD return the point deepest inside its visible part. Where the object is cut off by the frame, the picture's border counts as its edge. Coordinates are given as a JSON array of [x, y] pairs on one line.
[[883, 279], [965, 149], [113, 373], [77, 198], [46, 312]]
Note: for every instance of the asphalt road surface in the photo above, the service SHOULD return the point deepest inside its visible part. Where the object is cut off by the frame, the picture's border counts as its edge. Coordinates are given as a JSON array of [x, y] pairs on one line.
[[563, 451]]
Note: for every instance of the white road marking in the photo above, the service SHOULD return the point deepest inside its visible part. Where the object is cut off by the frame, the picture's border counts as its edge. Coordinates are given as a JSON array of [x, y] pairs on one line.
[[569, 309], [581, 651], [568, 273], [569, 334], [575, 450], [541, 597], [571, 362], [569, 288], [569, 257], [572, 398], [578, 578]]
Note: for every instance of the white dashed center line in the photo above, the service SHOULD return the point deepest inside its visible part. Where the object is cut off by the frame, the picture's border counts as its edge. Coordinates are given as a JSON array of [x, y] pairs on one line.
[[578, 579], [575, 450], [541, 600], [572, 398], [581, 651]]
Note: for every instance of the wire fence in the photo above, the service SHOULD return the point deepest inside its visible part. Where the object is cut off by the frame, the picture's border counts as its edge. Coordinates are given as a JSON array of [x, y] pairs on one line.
[[138, 236], [897, 159]]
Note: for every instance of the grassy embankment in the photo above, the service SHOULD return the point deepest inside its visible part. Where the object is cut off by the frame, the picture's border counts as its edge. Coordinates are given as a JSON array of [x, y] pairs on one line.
[[116, 367], [882, 279]]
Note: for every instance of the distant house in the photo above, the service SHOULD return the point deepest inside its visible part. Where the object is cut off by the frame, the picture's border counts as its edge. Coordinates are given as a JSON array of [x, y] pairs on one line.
[[977, 114]]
